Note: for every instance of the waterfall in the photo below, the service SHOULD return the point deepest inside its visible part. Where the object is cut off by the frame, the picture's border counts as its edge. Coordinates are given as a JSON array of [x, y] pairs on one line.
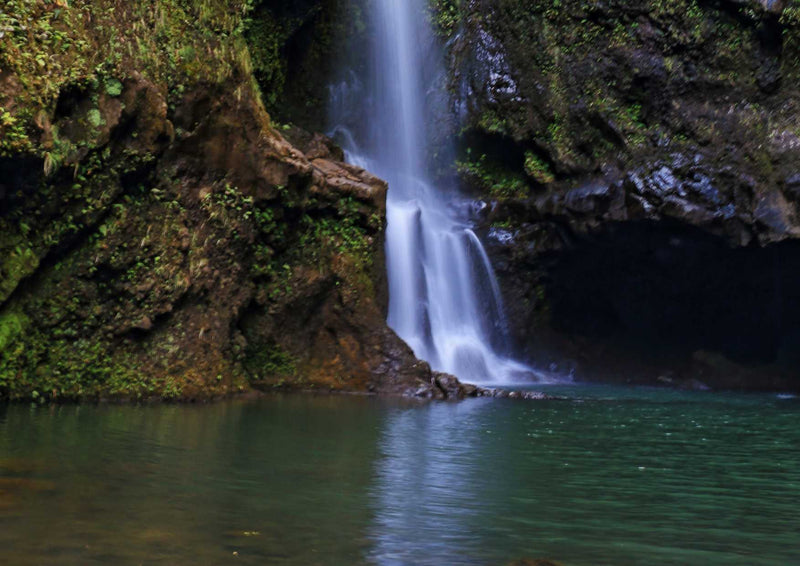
[[444, 300]]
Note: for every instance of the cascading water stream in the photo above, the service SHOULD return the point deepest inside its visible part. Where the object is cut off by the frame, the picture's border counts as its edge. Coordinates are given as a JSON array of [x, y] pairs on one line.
[[444, 299]]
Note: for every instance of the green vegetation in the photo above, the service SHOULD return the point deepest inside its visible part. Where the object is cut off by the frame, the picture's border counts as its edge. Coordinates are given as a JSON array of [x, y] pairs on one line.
[[497, 180], [92, 47], [790, 20], [299, 94], [72, 68], [113, 87], [48, 369], [266, 37], [445, 15], [19, 262], [537, 169], [491, 122], [599, 83], [324, 243], [11, 325], [143, 219], [269, 362], [13, 135]]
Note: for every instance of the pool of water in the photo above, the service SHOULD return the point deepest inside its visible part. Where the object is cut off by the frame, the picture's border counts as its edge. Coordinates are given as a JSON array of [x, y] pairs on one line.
[[609, 477]]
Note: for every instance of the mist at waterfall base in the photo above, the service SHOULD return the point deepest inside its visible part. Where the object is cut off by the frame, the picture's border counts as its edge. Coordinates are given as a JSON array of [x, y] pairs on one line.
[[444, 299]]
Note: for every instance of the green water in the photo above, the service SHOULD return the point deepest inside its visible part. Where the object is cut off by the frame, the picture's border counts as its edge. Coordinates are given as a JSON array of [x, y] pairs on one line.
[[613, 476]]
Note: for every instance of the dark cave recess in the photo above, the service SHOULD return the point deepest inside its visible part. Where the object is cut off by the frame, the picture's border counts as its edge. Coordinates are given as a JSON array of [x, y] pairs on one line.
[[666, 294]]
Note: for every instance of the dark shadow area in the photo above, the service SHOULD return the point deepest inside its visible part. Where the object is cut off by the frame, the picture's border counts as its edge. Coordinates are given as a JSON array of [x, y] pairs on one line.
[[500, 150], [664, 292], [19, 179], [292, 44], [69, 100]]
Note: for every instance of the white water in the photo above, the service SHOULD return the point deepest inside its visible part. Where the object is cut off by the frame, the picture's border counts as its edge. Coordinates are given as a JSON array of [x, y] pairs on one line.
[[444, 298]]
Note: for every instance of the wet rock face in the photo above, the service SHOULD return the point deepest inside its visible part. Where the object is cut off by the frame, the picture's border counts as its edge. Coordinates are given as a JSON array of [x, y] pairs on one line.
[[690, 98], [15, 178], [680, 116], [159, 237], [247, 265], [297, 51]]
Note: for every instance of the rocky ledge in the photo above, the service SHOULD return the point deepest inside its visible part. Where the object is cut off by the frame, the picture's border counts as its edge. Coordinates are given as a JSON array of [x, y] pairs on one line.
[[444, 386]]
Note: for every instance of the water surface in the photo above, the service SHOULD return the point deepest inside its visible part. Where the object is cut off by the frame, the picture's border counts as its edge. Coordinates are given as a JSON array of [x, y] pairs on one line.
[[610, 477]]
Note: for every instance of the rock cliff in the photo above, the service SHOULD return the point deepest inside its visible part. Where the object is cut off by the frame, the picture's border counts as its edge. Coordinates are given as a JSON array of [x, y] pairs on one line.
[[641, 159], [162, 236], [159, 236]]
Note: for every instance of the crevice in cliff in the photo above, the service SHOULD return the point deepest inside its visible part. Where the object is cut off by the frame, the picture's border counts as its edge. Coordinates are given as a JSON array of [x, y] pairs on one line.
[[69, 100], [19, 177], [497, 147], [496, 159]]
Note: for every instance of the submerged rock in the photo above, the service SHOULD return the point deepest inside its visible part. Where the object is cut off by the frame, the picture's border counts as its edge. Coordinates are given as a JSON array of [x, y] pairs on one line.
[[510, 394], [447, 387]]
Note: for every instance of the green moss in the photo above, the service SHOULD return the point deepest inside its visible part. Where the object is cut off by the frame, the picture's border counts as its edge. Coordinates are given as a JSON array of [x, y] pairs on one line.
[[113, 87], [558, 136], [497, 180], [13, 135], [266, 37], [67, 349], [445, 15], [11, 325], [631, 122], [95, 118], [120, 223], [21, 262], [790, 59], [589, 71], [538, 169], [94, 45], [268, 362], [297, 94], [37, 363], [492, 123]]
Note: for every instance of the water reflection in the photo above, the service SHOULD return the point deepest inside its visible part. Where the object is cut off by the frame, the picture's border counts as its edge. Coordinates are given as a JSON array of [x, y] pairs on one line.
[[623, 478], [279, 482], [429, 486]]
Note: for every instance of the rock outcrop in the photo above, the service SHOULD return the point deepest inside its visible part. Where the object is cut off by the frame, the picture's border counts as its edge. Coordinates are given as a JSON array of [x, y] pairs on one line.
[[159, 237], [641, 162]]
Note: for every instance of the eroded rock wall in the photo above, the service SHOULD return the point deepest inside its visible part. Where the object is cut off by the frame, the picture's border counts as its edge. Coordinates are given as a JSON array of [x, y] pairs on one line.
[[640, 135], [159, 237]]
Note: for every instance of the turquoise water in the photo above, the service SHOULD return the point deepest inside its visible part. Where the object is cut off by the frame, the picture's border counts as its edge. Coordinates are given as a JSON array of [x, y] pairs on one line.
[[610, 477]]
